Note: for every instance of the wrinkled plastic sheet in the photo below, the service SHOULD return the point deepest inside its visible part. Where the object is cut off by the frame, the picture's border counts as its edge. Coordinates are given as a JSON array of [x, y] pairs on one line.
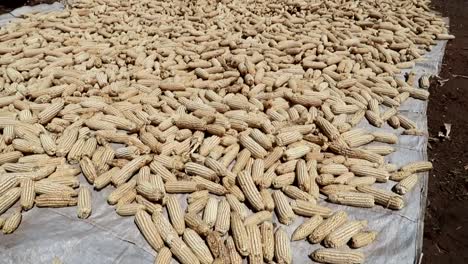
[[105, 237]]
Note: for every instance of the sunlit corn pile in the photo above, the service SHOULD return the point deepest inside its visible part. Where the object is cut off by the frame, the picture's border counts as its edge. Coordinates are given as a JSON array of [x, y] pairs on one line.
[[249, 107]]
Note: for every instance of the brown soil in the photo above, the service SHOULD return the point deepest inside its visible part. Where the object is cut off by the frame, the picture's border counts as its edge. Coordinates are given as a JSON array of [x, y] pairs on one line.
[[446, 222], [8, 5]]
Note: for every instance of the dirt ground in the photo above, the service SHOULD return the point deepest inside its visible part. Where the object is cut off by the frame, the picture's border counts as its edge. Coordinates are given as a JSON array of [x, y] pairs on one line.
[[8, 5], [446, 222]]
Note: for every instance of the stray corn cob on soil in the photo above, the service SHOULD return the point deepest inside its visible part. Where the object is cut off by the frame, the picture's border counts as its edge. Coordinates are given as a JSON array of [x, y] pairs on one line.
[[247, 110]]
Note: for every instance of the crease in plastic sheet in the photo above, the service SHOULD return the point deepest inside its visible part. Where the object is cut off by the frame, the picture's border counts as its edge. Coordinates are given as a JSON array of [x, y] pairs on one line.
[[106, 237]]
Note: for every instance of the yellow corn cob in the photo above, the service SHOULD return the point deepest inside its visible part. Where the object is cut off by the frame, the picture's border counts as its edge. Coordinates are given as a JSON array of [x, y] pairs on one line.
[[337, 256], [164, 256], [306, 228], [283, 252], [327, 226], [239, 234], [406, 184], [383, 197], [84, 203], [198, 246], [194, 222], [148, 230], [363, 239], [283, 209], [343, 234], [12, 222]]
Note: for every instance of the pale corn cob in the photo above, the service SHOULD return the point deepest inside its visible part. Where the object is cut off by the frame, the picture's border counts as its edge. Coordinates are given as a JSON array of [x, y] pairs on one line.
[[197, 205], [217, 247], [385, 137], [104, 179], [164, 227], [381, 150], [363, 239], [48, 187], [234, 256], [229, 184], [26, 146], [54, 200], [241, 160], [27, 194], [223, 217], [6, 183], [211, 212], [194, 222], [12, 156], [302, 175], [148, 230], [255, 239], [283, 209], [128, 209], [306, 208], [127, 171], [169, 162], [419, 166], [128, 197], [283, 252], [337, 256], [66, 141], [158, 168], [198, 246], [334, 169], [273, 157], [182, 252], [352, 199], [287, 138], [164, 256], [193, 168], [12, 222], [208, 144], [251, 193], [379, 174], [88, 169], [258, 168], [268, 240], [212, 187], [306, 228], [230, 154], [327, 226], [239, 234], [9, 198], [356, 181], [237, 206], [283, 180], [84, 203], [261, 139], [118, 193], [383, 197], [258, 218], [89, 147], [267, 200], [343, 234], [48, 143], [286, 167], [181, 187], [295, 193], [406, 184], [149, 206], [176, 214], [52, 110], [197, 195], [296, 152], [150, 191]]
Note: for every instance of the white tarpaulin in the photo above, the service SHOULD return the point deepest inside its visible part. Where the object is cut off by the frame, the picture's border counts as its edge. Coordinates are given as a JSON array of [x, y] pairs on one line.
[[108, 238]]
